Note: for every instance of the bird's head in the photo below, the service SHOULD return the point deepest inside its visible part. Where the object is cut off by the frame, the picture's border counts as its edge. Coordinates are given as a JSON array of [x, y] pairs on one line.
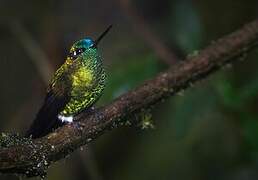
[[83, 45]]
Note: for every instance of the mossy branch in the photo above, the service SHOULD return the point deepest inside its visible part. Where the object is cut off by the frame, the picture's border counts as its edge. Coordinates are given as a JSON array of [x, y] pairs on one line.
[[32, 157]]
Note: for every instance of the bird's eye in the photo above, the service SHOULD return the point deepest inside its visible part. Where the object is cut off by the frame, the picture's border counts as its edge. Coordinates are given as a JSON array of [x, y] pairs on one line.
[[77, 52]]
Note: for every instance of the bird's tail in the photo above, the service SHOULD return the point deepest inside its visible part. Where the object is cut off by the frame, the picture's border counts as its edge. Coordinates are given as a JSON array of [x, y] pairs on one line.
[[45, 122]]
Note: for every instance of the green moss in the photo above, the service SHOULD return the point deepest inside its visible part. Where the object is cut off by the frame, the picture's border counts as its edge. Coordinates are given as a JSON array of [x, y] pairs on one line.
[[146, 120]]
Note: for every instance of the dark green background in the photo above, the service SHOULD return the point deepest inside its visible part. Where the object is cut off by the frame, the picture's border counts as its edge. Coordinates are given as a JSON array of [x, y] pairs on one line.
[[211, 132]]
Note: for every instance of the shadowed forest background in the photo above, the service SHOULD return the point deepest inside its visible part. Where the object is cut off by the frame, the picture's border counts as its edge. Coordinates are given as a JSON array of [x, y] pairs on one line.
[[210, 131]]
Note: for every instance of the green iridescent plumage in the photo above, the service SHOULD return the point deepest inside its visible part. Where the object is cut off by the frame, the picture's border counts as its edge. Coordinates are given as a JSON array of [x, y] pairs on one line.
[[85, 81], [76, 86]]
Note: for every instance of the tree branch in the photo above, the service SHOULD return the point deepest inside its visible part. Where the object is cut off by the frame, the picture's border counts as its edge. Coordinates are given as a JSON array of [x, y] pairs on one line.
[[32, 157]]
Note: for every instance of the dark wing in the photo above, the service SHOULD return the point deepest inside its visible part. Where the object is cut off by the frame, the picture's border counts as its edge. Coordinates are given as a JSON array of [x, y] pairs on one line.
[[47, 117], [55, 101]]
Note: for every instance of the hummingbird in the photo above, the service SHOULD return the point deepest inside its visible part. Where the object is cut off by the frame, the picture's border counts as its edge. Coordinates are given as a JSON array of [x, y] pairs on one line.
[[75, 87]]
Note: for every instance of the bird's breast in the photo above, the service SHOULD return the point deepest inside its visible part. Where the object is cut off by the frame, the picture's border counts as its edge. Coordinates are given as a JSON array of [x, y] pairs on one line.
[[82, 80], [87, 86]]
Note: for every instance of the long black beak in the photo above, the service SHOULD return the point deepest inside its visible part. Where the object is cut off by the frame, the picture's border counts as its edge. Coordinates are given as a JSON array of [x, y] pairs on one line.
[[101, 36]]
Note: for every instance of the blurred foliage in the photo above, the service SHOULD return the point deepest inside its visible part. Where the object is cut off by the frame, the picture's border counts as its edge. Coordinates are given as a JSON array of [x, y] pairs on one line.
[[186, 29], [138, 69], [208, 132]]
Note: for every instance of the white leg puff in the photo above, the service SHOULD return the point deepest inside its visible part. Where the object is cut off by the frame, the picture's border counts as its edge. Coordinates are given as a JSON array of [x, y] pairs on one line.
[[66, 119]]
